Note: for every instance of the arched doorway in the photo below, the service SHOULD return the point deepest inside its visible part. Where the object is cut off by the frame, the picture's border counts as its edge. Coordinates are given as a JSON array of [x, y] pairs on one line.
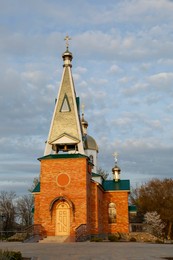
[[62, 226]]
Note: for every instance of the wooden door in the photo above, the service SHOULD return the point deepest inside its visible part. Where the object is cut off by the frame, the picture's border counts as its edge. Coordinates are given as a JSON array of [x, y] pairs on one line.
[[62, 219]]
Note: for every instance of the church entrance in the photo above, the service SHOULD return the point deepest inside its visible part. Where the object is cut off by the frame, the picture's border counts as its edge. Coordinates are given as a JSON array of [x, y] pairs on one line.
[[62, 219]]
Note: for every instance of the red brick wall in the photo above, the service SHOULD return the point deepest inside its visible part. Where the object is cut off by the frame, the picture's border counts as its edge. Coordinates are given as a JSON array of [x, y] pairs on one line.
[[99, 211], [120, 198], [89, 202], [76, 191]]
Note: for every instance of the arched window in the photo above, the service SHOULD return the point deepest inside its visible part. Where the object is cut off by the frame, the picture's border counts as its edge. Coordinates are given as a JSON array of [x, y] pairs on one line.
[[112, 212]]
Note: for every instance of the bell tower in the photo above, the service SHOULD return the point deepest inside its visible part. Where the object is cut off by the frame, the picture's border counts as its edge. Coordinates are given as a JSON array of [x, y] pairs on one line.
[[65, 133], [70, 188]]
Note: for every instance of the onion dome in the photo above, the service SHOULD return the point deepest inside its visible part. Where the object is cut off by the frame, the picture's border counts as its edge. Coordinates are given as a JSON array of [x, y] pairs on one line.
[[90, 143], [116, 172], [116, 168], [67, 54], [67, 57]]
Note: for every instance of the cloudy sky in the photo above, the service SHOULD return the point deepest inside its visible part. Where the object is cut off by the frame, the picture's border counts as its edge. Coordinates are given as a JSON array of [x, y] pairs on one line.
[[122, 69]]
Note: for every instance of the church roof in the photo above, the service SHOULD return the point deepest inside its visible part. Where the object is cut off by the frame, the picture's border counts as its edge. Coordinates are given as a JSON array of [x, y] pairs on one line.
[[37, 188], [67, 155], [132, 208], [96, 174], [108, 185], [90, 143], [111, 185]]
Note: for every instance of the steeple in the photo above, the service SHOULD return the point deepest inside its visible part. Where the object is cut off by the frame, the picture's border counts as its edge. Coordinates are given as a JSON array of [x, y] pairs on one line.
[[65, 131], [84, 122]]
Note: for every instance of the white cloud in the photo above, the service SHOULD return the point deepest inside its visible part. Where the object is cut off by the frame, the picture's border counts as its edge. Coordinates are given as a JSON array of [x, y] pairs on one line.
[[145, 67], [162, 81], [98, 81], [138, 87], [80, 70], [122, 72], [128, 42], [115, 69], [83, 84], [125, 79], [76, 76], [33, 76]]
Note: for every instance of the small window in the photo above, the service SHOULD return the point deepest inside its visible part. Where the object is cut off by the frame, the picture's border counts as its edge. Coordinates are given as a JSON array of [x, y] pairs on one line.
[[91, 159], [65, 107], [112, 212]]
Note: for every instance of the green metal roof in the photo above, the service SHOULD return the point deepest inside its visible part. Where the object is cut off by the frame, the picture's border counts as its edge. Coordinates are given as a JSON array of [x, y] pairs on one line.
[[96, 175], [108, 185], [111, 185], [132, 208], [37, 188], [78, 104], [64, 156]]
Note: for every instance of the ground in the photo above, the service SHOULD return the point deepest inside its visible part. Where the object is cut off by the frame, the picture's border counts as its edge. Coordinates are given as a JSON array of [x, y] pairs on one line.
[[92, 250]]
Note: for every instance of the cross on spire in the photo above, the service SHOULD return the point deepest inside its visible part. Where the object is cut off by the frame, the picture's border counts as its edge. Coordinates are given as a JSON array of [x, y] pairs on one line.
[[67, 39], [115, 155], [83, 106]]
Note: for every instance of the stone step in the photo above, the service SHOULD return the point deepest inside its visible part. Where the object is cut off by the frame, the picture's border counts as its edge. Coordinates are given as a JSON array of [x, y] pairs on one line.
[[56, 239]]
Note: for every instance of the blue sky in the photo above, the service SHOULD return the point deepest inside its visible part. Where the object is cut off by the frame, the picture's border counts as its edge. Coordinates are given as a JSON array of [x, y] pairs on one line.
[[122, 70]]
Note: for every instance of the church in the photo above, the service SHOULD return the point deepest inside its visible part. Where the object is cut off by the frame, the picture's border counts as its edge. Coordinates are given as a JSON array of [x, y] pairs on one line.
[[72, 201]]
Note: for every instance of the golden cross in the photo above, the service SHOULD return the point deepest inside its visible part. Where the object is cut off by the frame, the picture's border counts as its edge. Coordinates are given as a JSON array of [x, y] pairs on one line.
[[83, 106], [115, 155], [67, 39]]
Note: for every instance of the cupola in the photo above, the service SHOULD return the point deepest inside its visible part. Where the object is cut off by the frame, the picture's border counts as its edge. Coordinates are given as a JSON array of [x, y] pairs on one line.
[[67, 55], [116, 169]]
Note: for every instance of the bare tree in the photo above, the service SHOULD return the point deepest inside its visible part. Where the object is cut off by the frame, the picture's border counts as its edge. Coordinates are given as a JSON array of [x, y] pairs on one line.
[[24, 209], [103, 173], [156, 195], [8, 209], [35, 182]]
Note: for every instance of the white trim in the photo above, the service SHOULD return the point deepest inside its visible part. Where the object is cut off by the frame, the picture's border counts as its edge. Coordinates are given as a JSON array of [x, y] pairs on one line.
[[65, 140]]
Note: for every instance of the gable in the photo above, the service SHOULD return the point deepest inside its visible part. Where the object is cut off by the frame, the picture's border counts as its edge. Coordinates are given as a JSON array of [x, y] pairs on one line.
[[65, 139]]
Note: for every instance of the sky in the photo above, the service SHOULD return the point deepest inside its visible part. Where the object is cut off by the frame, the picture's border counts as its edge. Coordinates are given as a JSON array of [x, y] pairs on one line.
[[122, 70]]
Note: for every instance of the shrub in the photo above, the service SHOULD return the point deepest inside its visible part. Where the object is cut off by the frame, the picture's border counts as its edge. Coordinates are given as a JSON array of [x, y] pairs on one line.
[[96, 239], [113, 238], [158, 241], [10, 255], [132, 239], [18, 237]]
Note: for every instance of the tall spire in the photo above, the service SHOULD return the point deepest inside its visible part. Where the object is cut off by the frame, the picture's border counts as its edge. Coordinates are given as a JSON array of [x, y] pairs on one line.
[[84, 122], [65, 131]]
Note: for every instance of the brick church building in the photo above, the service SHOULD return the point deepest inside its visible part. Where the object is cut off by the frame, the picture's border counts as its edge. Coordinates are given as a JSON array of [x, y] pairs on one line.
[[72, 201]]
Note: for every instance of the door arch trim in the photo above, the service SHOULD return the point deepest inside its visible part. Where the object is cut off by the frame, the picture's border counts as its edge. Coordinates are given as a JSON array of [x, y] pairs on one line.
[[62, 199]]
